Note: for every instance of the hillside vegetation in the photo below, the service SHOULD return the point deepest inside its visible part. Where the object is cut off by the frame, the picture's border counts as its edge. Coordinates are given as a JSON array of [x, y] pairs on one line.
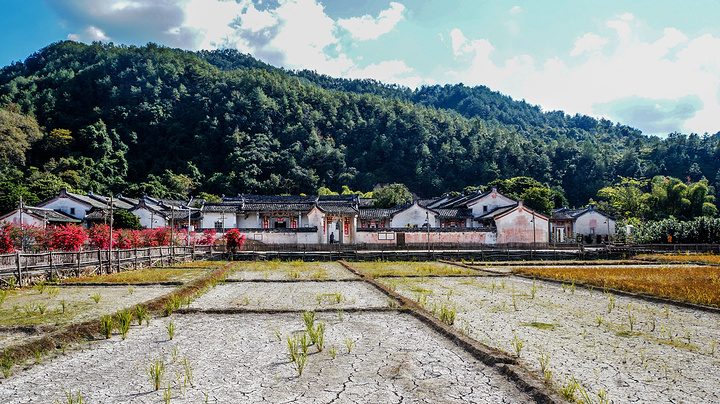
[[171, 123]]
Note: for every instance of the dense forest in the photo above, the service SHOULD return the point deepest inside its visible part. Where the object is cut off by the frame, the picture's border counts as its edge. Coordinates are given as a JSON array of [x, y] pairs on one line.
[[171, 123]]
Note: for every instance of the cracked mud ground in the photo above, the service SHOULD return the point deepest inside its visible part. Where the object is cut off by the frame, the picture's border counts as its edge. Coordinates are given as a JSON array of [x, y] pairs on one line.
[[668, 355], [243, 356]]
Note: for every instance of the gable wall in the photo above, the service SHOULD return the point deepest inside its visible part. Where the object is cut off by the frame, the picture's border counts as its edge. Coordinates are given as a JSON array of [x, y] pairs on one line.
[[593, 222], [66, 205], [492, 201], [148, 219], [517, 227], [28, 220], [413, 216]]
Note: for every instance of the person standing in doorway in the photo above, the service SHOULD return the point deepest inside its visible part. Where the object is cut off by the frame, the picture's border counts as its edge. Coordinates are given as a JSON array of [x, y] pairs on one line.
[[332, 238]]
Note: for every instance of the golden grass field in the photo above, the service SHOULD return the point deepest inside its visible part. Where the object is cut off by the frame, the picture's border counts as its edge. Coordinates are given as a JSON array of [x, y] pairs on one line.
[[692, 284]]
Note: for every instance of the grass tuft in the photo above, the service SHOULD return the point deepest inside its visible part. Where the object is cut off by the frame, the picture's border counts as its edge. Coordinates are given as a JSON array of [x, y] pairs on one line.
[[124, 319], [70, 398], [170, 327], [156, 371], [107, 325]]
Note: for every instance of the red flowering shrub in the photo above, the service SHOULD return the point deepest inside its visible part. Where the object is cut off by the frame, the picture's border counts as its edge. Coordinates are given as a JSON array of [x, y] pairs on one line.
[[208, 237], [6, 243], [124, 238], [99, 237], [235, 240], [160, 237], [67, 238]]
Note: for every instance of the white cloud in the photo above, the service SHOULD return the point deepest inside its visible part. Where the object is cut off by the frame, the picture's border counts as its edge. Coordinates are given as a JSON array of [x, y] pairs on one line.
[[212, 19], [89, 35], [366, 27], [516, 10], [623, 82], [588, 43], [393, 71]]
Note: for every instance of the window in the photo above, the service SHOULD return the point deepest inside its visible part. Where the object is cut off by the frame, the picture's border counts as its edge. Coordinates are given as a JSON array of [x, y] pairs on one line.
[[219, 225], [72, 211], [484, 208]]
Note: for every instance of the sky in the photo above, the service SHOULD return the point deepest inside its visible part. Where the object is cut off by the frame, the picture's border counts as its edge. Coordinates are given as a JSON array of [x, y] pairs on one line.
[[650, 64]]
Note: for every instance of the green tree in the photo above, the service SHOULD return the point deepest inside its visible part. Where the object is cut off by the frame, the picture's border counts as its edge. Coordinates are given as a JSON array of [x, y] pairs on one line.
[[627, 197], [122, 219], [17, 134], [391, 195], [539, 199], [10, 194]]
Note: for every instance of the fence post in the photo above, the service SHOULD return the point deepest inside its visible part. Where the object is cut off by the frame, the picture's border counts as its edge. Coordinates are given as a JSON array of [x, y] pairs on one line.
[[77, 270], [51, 265], [19, 267]]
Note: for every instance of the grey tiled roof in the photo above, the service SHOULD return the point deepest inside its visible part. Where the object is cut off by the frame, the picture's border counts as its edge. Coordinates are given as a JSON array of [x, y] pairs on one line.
[[572, 214], [222, 207], [376, 213], [278, 206], [105, 200], [53, 216], [454, 213], [182, 214], [338, 209], [496, 212]]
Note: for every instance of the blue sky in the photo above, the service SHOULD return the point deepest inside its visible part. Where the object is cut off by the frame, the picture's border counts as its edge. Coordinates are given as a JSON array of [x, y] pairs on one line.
[[654, 65]]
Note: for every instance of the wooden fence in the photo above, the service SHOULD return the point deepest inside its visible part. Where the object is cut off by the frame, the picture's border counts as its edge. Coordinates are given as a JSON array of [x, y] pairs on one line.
[[20, 268]]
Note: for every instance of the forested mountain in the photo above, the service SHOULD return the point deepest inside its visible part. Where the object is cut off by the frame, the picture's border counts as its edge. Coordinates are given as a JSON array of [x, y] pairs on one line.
[[170, 123]]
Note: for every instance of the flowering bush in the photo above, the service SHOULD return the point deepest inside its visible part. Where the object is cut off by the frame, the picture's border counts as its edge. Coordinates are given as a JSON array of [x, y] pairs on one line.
[[67, 238], [208, 237], [158, 237], [99, 237], [235, 240], [6, 244]]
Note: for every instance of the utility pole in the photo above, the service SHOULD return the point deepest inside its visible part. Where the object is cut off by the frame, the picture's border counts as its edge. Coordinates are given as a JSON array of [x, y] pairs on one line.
[[188, 229], [534, 235], [22, 230], [427, 221], [111, 237]]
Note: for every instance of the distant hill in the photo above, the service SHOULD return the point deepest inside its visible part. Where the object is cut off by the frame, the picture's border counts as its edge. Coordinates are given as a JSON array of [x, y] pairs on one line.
[[168, 122]]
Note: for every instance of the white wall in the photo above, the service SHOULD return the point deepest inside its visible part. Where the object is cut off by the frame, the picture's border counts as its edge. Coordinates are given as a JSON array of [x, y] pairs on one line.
[[491, 201], [67, 205], [415, 215], [251, 222], [146, 217], [517, 227], [282, 237], [209, 219], [594, 222], [27, 220]]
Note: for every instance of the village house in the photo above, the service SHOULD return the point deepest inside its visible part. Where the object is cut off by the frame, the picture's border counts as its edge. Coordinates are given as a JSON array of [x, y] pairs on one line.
[[478, 218], [87, 208], [569, 225], [286, 219], [38, 217]]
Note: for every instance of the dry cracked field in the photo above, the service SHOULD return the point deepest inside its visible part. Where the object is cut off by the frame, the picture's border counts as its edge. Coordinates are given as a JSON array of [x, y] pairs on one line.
[[233, 342]]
